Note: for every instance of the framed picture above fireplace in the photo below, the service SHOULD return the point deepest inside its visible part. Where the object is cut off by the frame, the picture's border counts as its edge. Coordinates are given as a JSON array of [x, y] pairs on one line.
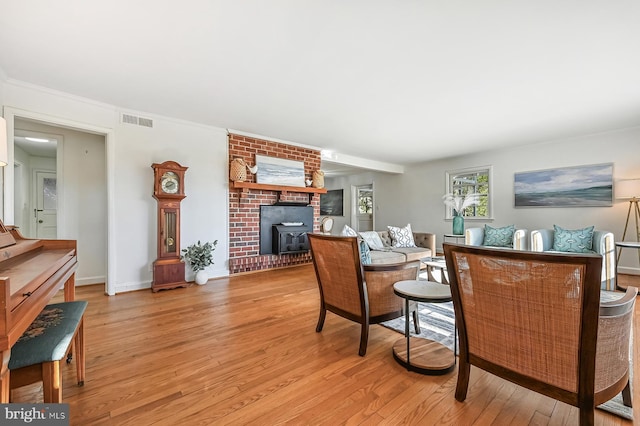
[[279, 171]]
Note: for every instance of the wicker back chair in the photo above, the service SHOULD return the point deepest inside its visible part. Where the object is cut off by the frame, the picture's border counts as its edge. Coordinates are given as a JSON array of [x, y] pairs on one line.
[[360, 293], [532, 318]]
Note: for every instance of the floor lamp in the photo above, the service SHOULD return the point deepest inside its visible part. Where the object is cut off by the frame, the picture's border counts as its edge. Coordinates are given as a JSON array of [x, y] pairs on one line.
[[629, 189]]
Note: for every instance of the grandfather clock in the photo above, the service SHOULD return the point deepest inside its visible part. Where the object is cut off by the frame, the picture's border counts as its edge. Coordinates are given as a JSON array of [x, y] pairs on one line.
[[168, 190]]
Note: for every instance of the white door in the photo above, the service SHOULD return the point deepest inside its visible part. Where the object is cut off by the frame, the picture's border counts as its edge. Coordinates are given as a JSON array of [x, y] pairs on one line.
[[364, 208], [46, 205]]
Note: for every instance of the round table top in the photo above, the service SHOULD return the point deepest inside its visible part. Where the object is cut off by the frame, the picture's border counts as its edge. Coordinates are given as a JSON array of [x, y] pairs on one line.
[[423, 291], [630, 244], [436, 262]]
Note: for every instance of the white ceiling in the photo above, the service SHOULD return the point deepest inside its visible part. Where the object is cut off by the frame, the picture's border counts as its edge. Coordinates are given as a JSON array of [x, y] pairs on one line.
[[398, 81]]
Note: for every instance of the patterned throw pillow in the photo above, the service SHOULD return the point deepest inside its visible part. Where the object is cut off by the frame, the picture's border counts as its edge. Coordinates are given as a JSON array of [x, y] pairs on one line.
[[498, 237], [573, 240], [373, 240], [401, 237], [365, 254], [348, 231]]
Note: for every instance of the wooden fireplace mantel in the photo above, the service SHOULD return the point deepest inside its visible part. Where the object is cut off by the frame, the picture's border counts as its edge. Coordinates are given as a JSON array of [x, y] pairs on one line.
[[244, 188]]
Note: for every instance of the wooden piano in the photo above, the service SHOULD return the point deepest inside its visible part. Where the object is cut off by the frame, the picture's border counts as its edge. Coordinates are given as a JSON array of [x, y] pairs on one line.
[[31, 272]]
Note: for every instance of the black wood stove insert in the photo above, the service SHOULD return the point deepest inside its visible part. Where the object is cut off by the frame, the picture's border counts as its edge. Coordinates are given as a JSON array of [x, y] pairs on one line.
[[284, 228]]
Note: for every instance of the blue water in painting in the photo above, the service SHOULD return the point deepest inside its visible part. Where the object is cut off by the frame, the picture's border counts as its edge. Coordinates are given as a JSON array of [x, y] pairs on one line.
[[277, 174], [587, 197]]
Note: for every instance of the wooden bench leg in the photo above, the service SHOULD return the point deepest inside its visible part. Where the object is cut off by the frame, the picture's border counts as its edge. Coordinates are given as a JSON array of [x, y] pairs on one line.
[[5, 391], [52, 382]]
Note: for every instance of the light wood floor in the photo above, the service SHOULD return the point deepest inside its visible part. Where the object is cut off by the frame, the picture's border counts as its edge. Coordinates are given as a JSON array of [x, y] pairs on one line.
[[244, 351]]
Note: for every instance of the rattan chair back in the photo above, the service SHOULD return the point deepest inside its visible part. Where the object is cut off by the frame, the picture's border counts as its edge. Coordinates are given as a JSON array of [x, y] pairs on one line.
[[533, 319], [363, 294]]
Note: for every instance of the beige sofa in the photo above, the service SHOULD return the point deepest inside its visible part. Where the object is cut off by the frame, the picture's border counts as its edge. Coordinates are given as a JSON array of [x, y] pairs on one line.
[[425, 242]]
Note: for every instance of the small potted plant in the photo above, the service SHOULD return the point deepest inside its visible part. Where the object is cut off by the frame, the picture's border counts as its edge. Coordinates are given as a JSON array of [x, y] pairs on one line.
[[199, 256]]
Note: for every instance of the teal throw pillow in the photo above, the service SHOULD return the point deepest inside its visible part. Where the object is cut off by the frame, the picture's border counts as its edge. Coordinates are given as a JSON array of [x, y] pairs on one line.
[[365, 254], [498, 237], [573, 240]]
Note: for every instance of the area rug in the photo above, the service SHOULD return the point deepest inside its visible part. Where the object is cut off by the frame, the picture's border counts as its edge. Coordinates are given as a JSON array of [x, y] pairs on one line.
[[437, 323]]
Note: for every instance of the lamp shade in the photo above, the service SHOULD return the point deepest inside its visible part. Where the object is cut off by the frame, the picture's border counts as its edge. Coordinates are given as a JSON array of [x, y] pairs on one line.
[[3, 143], [627, 189]]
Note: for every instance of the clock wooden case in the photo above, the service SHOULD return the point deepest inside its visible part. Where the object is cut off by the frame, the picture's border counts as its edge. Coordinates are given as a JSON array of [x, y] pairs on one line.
[[168, 190]]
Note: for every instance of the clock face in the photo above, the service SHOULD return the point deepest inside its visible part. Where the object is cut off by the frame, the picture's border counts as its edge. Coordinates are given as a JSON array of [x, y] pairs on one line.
[[169, 183]]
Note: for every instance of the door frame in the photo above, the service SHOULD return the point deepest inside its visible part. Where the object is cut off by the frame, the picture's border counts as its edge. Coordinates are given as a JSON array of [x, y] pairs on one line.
[[26, 227], [10, 114]]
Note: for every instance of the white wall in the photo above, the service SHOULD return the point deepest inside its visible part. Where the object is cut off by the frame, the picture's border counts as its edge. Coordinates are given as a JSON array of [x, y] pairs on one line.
[[413, 197], [22, 179], [416, 196], [130, 152]]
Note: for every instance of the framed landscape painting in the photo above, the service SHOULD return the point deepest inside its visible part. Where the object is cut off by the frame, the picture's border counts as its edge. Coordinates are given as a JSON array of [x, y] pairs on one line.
[[279, 171], [579, 186]]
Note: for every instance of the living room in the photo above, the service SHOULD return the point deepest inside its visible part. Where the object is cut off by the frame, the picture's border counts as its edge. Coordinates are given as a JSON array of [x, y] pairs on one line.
[[576, 136], [410, 193]]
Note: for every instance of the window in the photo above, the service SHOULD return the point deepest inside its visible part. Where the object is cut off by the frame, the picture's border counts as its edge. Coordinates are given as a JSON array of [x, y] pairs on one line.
[[468, 181], [365, 200]]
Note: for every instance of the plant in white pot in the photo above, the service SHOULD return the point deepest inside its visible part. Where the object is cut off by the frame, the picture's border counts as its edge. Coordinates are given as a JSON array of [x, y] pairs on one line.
[[199, 256]]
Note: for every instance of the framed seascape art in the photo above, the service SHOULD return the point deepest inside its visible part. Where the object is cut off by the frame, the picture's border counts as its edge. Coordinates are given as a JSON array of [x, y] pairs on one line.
[[331, 203], [279, 171], [579, 186]]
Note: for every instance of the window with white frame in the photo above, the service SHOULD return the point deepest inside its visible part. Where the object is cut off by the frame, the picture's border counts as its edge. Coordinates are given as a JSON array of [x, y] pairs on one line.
[[476, 180]]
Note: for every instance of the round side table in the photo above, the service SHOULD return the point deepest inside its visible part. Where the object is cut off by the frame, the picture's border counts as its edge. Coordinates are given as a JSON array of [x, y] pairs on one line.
[[620, 245], [416, 354]]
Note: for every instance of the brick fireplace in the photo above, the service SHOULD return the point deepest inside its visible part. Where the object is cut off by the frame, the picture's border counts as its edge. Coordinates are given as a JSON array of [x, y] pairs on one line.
[[244, 206]]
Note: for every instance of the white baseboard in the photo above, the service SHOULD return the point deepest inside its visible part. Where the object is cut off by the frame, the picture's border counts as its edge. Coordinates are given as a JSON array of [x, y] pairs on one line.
[[133, 286], [628, 271], [80, 281]]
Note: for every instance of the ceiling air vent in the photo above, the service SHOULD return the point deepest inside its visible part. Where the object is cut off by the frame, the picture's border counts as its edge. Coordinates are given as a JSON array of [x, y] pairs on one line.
[[139, 121], [146, 122], [129, 119]]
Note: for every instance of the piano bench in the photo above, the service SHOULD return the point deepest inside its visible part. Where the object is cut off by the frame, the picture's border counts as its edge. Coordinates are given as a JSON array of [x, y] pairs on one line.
[[37, 354]]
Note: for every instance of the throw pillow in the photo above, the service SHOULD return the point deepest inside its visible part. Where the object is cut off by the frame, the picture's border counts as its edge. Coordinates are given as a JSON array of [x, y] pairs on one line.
[[365, 254], [348, 231], [373, 240], [498, 237], [573, 240], [401, 237]]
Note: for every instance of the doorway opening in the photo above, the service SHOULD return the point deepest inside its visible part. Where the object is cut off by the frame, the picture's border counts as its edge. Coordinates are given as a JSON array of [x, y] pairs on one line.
[[73, 184], [36, 181]]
